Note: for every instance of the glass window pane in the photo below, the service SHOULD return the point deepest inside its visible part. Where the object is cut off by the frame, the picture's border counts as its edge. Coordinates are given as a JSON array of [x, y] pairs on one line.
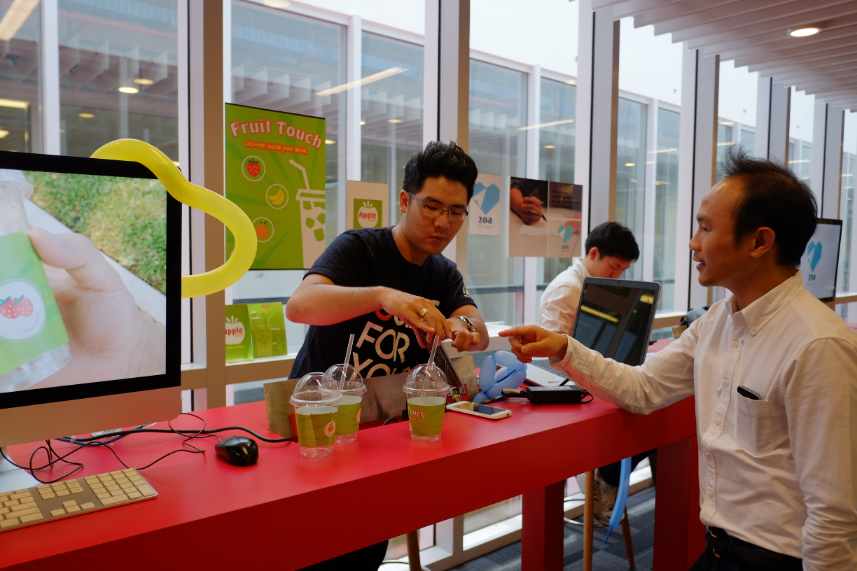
[[666, 206], [801, 117], [498, 108], [846, 282], [118, 74], [631, 174], [20, 83], [391, 121]]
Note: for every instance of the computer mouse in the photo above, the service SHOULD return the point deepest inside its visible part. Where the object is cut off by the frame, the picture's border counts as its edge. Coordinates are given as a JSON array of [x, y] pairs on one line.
[[238, 450]]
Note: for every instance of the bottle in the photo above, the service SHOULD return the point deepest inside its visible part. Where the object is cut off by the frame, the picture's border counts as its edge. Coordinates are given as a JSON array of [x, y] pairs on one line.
[[33, 339]]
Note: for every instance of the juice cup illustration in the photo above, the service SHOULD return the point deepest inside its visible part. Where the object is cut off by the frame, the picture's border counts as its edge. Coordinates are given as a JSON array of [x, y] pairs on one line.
[[33, 340], [316, 401], [350, 384], [426, 390], [312, 219]]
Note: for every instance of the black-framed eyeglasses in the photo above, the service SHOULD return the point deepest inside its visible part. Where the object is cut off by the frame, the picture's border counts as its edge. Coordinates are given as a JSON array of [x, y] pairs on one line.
[[435, 212]]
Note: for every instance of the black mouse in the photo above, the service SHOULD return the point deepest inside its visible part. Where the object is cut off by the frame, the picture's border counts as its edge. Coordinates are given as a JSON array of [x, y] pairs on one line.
[[238, 450]]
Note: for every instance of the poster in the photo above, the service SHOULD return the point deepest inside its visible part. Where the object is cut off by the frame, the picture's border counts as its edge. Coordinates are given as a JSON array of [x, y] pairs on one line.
[[238, 346], [268, 329], [367, 205], [275, 172], [485, 214], [544, 218]]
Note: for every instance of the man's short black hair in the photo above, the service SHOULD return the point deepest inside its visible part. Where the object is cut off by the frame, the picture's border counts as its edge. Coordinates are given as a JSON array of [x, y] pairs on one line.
[[773, 196], [613, 239], [440, 159]]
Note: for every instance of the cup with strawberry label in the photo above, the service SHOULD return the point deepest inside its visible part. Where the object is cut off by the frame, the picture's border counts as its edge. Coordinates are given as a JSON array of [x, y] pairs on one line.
[[33, 339], [426, 389], [350, 384], [316, 400]]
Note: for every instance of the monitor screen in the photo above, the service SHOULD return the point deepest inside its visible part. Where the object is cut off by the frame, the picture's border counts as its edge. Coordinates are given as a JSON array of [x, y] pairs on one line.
[[86, 290], [615, 318], [820, 260]]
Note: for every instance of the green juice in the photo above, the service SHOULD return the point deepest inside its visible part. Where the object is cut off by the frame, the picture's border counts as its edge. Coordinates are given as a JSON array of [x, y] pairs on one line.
[[425, 415], [316, 425], [349, 415]]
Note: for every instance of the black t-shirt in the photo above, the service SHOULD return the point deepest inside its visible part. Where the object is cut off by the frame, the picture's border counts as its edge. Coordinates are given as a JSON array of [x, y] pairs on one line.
[[383, 344]]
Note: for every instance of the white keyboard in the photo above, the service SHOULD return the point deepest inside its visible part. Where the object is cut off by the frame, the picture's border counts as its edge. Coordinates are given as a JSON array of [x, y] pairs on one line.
[[67, 498]]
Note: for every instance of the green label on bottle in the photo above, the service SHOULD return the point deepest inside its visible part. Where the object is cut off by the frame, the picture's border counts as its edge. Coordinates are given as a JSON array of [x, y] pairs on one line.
[[426, 415], [30, 322], [349, 415], [316, 425]]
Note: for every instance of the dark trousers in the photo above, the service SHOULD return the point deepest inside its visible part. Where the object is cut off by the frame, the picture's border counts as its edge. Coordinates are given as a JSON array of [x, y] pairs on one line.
[[730, 554], [366, 559], [612, 472]]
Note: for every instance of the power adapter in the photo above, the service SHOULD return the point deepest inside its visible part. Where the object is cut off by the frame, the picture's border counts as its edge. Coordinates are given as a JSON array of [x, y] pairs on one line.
[[550, 395]]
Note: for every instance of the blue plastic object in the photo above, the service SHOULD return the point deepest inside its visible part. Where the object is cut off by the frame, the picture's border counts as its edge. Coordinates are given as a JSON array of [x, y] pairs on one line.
[[621, 497], [492, 381]]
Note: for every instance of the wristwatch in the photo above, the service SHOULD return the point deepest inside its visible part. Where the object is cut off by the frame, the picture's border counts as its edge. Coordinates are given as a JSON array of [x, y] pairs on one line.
[[467, 323]]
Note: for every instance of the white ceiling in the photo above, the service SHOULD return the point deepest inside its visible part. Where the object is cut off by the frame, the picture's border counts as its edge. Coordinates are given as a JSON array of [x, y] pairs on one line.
[[754, 33]]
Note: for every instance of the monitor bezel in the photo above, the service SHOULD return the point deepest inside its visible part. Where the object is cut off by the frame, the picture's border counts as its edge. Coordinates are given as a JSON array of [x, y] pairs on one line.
[[649, 286], [172, 377], [832, 222]]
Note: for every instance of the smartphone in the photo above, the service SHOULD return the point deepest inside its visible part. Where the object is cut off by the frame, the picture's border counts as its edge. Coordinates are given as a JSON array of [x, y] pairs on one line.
[[747, 393], [491, 412]]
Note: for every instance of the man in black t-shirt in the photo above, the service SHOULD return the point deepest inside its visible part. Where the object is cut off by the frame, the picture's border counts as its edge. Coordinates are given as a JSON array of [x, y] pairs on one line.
[[393, 289]]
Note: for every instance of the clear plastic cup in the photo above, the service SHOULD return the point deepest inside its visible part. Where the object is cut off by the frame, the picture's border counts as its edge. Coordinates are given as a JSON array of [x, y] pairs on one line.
[[426, 388], [352, 390], [316, 401]]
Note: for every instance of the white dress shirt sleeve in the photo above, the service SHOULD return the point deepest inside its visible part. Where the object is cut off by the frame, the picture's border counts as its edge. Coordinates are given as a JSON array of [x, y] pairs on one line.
[[559, 309], [665, 378], [821, 407]]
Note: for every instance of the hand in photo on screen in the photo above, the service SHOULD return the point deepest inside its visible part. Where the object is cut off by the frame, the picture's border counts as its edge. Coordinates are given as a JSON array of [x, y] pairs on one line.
[[528, 209], [110, 338]]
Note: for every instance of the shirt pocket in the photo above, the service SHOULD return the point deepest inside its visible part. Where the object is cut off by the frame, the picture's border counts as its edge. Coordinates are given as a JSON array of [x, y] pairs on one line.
[[754, 429]]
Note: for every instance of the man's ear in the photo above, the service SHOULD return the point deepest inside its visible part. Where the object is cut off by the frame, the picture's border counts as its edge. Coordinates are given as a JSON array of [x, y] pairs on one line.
[[764, 241], [403, 200], [593, 254]]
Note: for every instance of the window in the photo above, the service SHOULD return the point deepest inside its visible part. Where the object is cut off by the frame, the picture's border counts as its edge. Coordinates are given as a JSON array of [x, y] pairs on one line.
[[20, 84], [801, 117], [846, 282], [631, 159], [118, 74], [666, 206]]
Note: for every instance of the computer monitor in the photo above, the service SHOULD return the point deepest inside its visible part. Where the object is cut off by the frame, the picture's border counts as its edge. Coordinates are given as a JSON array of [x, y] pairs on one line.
[[615, 318], [820, 260], [91, 339]]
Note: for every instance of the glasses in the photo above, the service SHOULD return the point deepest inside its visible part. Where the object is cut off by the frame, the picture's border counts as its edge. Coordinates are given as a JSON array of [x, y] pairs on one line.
[[435, 212]]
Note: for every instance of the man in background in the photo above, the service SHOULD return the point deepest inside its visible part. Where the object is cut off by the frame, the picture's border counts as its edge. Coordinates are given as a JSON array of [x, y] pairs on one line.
[[610, 250]]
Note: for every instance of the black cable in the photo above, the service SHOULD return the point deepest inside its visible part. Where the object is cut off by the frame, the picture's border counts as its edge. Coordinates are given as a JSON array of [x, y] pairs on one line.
[[174, 431], [389, 421]]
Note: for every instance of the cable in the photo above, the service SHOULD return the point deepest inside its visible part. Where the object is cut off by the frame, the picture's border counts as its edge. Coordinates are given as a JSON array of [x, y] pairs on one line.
[[173, 431]]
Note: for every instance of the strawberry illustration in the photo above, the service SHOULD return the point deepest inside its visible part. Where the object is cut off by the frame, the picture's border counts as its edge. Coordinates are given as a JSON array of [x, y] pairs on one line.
[[253, 168], [7, 309], [24, 307]]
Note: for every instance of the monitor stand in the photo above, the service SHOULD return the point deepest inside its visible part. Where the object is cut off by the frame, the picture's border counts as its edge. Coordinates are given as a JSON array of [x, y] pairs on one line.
[[12, 478]]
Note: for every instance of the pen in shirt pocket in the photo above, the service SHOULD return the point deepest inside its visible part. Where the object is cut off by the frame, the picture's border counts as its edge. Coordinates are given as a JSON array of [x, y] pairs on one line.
[[747, 393]]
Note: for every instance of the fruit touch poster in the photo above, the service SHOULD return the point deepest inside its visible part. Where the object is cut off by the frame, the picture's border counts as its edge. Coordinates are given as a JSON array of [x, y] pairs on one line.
[[275, 169]]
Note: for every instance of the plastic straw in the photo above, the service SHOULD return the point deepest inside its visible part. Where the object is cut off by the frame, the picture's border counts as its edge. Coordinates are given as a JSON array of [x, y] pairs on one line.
[[433, 350], [347, 357]]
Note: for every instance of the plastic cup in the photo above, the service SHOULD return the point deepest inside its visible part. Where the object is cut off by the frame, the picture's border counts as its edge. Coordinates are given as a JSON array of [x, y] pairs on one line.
[[352, 390], [426, 388], [316, 401]]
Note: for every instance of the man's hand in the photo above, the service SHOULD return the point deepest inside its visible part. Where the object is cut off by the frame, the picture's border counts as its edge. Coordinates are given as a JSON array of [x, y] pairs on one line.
[[532, 341], [462, 338], [408, 307], [531, 210], [110, 338]]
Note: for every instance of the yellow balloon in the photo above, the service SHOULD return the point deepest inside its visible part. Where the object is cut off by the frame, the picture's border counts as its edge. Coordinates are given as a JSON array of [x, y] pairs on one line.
[[196, 197]]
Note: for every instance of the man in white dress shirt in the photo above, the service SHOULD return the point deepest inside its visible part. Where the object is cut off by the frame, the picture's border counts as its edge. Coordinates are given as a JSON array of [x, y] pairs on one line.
[[610, 250], [774, 373]]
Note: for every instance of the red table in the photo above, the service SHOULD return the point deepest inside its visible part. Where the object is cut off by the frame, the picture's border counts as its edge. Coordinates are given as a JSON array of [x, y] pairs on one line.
[[288, 511]]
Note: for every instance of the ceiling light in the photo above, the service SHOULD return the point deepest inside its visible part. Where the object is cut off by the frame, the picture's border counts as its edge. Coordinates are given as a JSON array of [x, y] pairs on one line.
[[727, 123], [630, 164], [14, 103], [86, 115], [143, 81], [550, 146], [329, 142], [551, 124], [725, 144], [3, 133], [15, 17], [664, 151], [129, 90], [394, 120], [571, 82], [362, 122], [804, 32], [369, 79], [276, 3]]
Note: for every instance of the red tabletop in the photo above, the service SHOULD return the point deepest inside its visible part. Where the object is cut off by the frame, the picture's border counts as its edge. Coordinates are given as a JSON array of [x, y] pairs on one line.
[[291, 511]]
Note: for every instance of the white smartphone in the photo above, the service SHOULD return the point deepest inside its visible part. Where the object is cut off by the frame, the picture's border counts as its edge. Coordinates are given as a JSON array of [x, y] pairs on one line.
[[491, 412]]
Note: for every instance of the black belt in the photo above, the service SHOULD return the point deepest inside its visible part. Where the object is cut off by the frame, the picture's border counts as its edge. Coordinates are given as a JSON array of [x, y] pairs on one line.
[[731, 548]]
